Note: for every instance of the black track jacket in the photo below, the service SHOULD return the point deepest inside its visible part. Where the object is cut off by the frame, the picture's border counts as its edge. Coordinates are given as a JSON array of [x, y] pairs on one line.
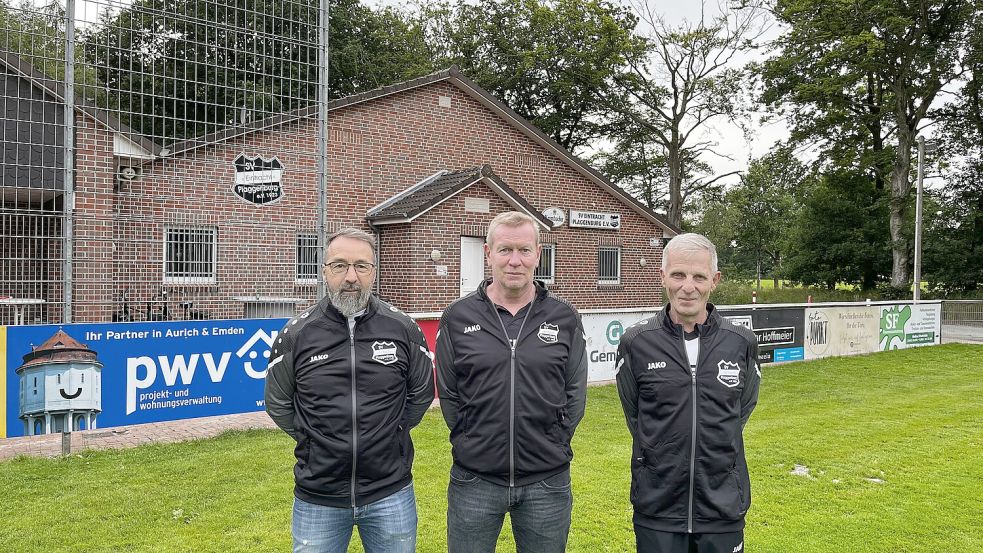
[[512, 411], [350, 400], [688, 472]]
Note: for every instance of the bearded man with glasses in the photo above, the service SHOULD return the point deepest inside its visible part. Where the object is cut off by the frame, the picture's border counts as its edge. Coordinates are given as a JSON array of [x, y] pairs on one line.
[[348, 379]]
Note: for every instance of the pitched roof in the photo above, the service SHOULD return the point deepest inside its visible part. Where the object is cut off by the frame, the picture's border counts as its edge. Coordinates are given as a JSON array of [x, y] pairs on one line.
[[55, 88], [442, 186], [453, 76], [59, 348]]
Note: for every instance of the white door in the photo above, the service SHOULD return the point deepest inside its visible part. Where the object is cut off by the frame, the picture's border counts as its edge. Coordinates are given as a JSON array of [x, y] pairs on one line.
[[472, 263]]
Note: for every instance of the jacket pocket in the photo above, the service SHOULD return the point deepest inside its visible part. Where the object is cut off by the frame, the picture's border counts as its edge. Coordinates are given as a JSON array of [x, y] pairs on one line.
[[659, 484], [302, 451], [558, 433], [405, 446], [728, 499], [462, 426]]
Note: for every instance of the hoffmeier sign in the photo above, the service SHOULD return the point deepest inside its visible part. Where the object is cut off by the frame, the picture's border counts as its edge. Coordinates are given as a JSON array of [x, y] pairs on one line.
[[591, 219]]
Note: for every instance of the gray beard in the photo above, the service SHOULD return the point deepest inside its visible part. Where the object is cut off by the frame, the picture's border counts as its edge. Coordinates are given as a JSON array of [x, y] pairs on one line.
[[349, 305]]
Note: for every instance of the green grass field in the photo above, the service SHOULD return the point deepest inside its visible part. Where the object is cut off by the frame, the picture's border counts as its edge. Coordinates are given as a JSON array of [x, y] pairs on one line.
[[893, 443]]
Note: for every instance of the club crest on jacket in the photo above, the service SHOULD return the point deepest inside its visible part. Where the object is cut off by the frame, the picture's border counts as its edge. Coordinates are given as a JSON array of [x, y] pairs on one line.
[[548, 333], [384, 352], [728, 374]]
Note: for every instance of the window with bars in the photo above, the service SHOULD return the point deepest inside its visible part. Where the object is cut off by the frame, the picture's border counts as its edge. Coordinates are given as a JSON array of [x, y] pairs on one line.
[[609, 265], [306, 258], [547, 264], [189, 255]]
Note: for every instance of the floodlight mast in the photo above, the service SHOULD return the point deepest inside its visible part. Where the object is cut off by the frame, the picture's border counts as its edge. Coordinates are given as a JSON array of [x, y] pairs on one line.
[[923, 147]]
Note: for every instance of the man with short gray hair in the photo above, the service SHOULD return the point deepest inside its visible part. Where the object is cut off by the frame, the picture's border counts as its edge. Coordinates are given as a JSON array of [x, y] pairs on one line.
[[688, 380], [512, 371], [348, 379]]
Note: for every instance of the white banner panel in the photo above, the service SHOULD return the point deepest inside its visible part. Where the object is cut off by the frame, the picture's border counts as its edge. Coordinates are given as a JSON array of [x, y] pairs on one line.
[[908, 326], [833, 331], [604, 332]]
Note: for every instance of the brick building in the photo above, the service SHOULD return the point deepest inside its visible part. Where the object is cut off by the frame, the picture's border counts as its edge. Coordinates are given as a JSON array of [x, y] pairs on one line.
[[224, 226]]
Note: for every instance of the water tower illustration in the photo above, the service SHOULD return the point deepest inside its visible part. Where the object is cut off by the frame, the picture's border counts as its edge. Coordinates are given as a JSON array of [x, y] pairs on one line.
[[60, 386]]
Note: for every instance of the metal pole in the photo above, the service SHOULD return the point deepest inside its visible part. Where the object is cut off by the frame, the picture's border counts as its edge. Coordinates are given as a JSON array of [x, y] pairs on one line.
[[917, 293], [324, 22], [69, 162]]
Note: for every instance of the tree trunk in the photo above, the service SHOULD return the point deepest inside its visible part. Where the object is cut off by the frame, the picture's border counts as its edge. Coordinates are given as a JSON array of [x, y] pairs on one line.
[[675, 211], [900, 196], [759, 275], [777, 268]]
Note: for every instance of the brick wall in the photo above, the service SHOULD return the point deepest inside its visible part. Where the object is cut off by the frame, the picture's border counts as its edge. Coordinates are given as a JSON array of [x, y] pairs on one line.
[[378, 148], [95, 169]]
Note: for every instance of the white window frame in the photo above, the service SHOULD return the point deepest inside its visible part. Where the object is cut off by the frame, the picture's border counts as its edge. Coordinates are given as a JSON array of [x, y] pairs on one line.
[[312, 238], [547, 279], [211, 278], [609, 280]]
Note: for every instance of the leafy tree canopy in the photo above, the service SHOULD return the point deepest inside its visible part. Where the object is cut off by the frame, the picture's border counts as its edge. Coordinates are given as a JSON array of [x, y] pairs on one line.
[[549, 60]]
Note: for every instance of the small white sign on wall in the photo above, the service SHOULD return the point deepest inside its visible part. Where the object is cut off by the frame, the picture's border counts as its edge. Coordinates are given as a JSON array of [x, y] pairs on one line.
[[592, 219], [556, 215]]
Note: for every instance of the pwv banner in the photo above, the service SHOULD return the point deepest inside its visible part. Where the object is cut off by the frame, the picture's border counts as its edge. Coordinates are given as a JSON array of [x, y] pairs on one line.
[[83, 376]]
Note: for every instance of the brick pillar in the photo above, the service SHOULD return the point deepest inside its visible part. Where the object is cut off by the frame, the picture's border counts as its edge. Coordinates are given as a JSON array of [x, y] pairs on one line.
[[94, 180]]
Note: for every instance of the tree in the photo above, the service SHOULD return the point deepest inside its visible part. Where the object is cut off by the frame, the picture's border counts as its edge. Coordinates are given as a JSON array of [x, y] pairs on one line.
[[840, 234], [639, 165], [37, 35], [683, 80], [549, 60], [953, 241], [766, 204], [751, 222], [862, 77], [374, 48], [175, 69]]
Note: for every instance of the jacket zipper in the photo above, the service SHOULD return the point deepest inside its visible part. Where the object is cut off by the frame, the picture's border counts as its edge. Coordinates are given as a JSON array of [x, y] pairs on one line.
[[351, 336], [512, 346], [692, 450]]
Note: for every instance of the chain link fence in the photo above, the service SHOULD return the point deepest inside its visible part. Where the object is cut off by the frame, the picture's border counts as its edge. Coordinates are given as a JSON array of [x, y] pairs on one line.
[[126, 128]]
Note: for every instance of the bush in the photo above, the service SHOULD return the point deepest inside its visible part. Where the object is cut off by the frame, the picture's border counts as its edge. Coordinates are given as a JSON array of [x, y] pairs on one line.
[[737, 292], [887, 291]]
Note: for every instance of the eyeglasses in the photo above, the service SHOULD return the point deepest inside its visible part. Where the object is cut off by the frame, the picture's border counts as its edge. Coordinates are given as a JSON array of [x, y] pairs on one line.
[[340, 267]]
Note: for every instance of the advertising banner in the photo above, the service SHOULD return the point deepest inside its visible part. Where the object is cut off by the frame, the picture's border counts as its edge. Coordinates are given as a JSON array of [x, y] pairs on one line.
[[845, 330], [906, 326], [604, 332], [3, 382], [105, 375], [778, 329]]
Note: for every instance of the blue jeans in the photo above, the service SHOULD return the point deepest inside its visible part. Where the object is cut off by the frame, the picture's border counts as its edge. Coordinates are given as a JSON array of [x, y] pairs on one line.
[[476, 510], [385, 526]]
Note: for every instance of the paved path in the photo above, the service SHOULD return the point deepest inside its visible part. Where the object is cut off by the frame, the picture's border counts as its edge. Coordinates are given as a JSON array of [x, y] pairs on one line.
[[962, 333], [131, 436]]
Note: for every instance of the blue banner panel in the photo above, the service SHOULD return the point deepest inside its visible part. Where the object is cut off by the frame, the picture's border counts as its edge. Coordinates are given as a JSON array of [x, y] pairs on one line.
[[789, 354], [105, 375], [778, 330]]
